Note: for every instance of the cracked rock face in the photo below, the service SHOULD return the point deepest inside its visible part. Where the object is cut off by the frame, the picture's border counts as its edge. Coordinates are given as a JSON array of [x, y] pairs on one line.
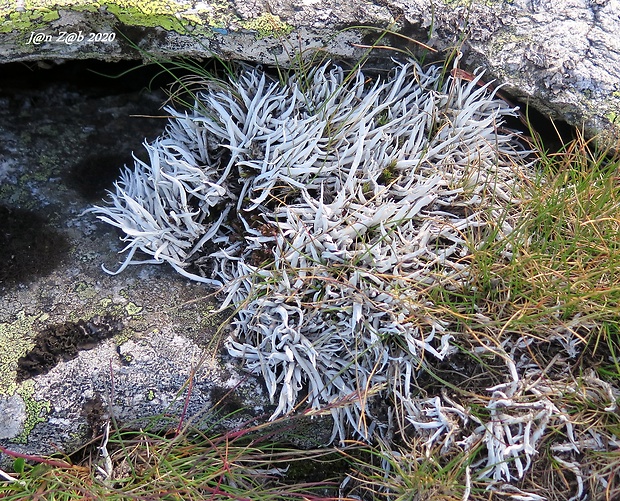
[[563, 58]]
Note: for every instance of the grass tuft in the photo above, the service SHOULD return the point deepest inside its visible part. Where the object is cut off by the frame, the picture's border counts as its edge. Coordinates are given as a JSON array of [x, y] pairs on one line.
[[246, 464]]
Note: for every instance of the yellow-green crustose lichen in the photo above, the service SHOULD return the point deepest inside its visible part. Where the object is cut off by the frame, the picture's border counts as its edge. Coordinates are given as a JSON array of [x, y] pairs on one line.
[[36, 411], [151, 14], [133, 309], [15, 343], [85, 290], [173, 15], [267, 25]]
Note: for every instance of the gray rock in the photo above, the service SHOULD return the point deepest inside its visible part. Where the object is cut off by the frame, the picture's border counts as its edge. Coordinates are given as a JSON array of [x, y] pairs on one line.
[[13, 417], [78, 346], [563, 58]]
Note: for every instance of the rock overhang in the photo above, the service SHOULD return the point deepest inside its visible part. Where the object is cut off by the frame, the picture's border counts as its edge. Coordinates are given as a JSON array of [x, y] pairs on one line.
[[563, 60]]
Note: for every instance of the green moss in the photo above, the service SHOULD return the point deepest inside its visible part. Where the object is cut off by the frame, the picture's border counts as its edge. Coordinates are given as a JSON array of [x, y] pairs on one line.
[[389, 173], [36, 411], [15, 339], [268, 25], [613, 117]]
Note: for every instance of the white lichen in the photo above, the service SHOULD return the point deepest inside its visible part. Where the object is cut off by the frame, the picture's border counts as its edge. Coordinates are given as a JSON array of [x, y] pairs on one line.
[[320, 207]]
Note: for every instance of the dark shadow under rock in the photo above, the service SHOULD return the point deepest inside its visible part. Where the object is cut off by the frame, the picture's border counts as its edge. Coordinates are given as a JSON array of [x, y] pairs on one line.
[[29, 247]]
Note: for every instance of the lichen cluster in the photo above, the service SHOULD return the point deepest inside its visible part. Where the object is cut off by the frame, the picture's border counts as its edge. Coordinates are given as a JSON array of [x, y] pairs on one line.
[[321, 207]]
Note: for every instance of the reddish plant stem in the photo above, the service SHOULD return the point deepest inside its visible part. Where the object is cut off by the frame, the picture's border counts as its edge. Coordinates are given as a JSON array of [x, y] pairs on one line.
[[190, 387], [38, 459]]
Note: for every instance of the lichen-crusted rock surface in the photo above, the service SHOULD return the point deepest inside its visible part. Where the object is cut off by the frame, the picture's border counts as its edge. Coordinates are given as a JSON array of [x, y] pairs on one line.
[[121, 29], [78, 346], [563, 58]]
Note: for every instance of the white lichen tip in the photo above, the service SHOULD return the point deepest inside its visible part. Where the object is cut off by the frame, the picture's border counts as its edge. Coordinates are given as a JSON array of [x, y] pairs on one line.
[[319, 206]]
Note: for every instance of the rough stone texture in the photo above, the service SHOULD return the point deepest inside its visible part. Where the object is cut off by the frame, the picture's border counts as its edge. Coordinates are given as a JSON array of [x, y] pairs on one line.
[[561, 57], [232, 30], [144, 331]]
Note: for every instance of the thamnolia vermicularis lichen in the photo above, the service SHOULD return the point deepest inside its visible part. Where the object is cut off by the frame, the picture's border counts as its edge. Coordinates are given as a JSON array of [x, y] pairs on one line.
[[320, 212]]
